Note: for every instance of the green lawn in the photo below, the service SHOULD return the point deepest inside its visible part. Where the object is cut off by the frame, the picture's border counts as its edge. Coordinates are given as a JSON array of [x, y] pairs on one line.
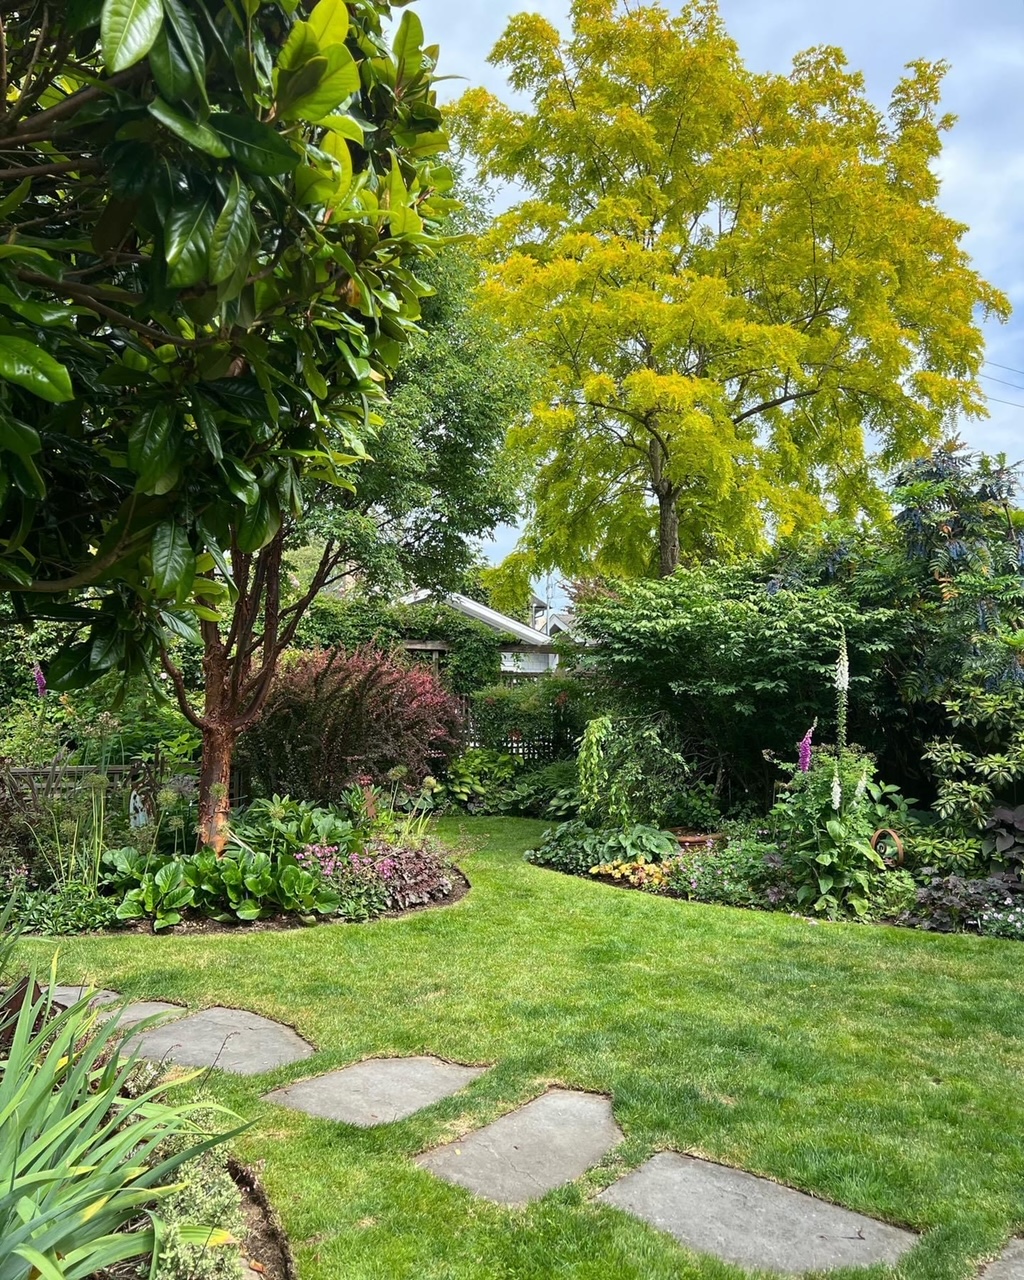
[[877, 1067]]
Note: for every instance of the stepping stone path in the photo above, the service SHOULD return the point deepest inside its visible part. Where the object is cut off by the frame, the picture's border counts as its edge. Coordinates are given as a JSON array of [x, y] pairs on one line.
[[751, 1221], [229, 1039], [1009, 1265], [555, 1138], [130, 1014], [377, 1091], [525, 1154]]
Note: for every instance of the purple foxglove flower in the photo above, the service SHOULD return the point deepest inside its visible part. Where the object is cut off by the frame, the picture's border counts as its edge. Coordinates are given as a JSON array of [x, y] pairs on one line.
[[37, 671], [805, 751]]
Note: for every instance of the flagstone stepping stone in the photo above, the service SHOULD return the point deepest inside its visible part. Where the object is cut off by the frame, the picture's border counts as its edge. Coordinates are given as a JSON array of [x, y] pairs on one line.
[[751, 1221], [527, 1153], [130, 1014], [1009, 1265], [377, 1091], [230, 1039], [67, 996]]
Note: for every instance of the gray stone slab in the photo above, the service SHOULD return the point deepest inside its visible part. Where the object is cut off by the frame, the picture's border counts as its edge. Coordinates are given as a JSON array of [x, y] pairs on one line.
[[1009, 1265], [751, 1221], [139, 1010], [527, 1153], [67, 996], [229, 1039], [377, 1091]]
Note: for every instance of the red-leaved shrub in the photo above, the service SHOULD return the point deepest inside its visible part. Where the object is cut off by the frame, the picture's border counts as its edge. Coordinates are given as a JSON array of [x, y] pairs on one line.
[[333, 717]]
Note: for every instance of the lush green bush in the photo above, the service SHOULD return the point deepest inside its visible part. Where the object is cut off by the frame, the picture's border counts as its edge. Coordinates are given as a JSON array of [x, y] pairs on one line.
[[69, 908], [575, 847], [742, 871], [80, 1160], [331, 719], [630, 770]]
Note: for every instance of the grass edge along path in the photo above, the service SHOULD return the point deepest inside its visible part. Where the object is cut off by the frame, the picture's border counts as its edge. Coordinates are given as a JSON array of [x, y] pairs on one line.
[[876, 1067]]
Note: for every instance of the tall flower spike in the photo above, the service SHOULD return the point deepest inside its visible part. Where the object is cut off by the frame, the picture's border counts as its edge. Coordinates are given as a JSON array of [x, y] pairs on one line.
[[805, 750], [40, 679], [837, 790]]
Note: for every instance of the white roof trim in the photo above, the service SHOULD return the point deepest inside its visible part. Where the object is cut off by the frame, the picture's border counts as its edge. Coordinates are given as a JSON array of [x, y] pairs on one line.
[[481, 613]]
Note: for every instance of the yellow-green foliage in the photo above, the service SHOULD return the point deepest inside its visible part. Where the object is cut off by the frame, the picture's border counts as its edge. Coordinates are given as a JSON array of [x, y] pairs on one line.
[[732, 277]]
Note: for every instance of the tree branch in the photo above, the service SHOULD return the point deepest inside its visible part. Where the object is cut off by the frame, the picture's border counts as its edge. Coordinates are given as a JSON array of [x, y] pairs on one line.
[[774, 404]]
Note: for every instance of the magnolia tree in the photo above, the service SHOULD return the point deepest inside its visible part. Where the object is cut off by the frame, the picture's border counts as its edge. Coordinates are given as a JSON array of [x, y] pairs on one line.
[[740, 284], [212, 214]]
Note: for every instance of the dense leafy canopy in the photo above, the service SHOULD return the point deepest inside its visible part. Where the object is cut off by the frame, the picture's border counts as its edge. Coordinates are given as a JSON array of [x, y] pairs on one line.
[[206, 278], [740, 284]]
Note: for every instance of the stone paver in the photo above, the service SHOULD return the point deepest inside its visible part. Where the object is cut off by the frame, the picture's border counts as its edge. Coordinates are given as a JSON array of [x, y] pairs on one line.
[[130, 1014], [229, 1039], [751, 1221], [377, 1091], [66, 996], [1009, 1265], [525, 1154]]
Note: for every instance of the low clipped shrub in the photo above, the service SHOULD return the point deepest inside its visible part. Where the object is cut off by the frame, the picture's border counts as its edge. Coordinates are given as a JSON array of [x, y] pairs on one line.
[[333, 718]]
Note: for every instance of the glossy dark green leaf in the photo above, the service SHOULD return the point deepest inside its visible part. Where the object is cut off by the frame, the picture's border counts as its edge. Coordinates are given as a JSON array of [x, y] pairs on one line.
[[83, 14], [19, 438], [197, 135], [206, 421], [107, 650], [190, 40], [71, 669], [187, 235], [408, 45], [174, 564], [258, 525], [170, 67], [128, 29], [29, 366], [150, 445], [231, 233], [256, 146]]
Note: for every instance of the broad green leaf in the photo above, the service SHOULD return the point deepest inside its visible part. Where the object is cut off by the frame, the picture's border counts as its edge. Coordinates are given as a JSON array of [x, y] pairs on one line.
[[329, 22], [256, 146], [258, 525], [187, 234], [206, 420], [71, 669], [336, 147], [41, 313], [174, 564], [19, 438], [198, 135], [231, 232], [300, 46], [31, 367], [190, 39], [408, 45], [108, 647], [336, 81], [346, 126], [83, 14], [149, 444], [171, 71], [127, 31]]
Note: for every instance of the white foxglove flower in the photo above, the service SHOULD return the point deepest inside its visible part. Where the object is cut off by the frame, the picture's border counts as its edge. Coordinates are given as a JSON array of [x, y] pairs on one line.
[[837, 791], [862, 786], [843, 668]]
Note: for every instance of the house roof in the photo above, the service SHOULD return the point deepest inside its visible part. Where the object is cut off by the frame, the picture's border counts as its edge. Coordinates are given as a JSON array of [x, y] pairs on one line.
[[482, 613]]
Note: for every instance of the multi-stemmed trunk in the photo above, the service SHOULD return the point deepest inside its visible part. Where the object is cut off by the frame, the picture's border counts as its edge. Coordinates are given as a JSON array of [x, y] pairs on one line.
[[240, 656]]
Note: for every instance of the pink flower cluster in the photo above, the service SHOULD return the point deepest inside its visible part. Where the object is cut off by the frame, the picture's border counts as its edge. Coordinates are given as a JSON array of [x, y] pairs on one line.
[[328, 860]]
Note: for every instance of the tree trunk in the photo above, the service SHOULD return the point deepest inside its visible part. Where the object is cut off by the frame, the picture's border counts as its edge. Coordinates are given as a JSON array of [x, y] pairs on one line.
[[215, 784], [668, 534]]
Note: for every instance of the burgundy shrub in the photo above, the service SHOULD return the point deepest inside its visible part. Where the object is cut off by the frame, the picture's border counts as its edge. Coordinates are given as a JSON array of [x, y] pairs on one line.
[[332, 717]]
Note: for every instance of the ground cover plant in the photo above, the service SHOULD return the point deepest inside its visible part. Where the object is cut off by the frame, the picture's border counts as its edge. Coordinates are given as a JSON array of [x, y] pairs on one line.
[[874, 1067]]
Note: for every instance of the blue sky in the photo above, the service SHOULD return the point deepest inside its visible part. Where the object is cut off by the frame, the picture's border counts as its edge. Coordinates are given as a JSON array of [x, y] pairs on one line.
[[982, 167]]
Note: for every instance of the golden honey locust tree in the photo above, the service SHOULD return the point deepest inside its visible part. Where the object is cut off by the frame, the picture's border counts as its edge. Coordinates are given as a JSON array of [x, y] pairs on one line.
[[745, 294]]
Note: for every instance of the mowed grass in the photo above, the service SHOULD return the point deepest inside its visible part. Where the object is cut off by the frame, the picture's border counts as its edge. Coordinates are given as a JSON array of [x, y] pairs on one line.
[[879, 1068]]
